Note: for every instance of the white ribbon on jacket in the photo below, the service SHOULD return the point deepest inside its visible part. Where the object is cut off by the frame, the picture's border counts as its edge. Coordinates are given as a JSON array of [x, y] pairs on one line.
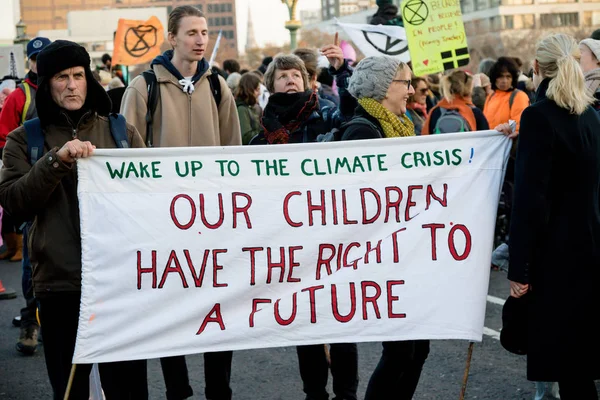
[[188, 85]]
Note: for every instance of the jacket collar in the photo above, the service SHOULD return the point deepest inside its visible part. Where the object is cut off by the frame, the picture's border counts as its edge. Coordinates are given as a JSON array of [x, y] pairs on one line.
[[540, 94], [164, 61], [359, 111]]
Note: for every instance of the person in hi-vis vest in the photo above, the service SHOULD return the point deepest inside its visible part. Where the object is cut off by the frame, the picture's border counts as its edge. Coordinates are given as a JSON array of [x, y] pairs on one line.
[[19, 107]]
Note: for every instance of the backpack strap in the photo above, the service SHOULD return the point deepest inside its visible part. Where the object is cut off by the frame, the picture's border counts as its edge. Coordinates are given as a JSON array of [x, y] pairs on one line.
[[35, 139], [152, 85], [511, 99], [341, 134], [118, 130], [215, 87], [27, 90]]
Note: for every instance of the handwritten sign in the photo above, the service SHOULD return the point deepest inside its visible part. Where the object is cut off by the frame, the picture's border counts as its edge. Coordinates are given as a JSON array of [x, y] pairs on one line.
[[189, 250], [436, 35]]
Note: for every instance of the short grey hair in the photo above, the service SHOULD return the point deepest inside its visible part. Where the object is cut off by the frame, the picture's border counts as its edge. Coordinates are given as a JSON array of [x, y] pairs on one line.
[[285, 62], [373, 76]]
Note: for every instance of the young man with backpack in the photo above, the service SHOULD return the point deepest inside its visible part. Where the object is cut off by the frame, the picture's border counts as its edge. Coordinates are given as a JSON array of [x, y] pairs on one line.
[[38, 184], [192, 106], [180, 102]]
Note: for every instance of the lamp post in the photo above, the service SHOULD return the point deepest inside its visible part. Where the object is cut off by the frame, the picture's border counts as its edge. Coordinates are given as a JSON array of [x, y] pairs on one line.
[[21, 34], [293, 24]]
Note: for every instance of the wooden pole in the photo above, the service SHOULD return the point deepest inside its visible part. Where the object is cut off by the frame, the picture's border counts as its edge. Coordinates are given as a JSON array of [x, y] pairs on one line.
[[463, 390], [70, 384]]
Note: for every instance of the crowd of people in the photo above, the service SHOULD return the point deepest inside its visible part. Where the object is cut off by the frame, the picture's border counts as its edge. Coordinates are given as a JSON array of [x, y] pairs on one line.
[[309, 96]]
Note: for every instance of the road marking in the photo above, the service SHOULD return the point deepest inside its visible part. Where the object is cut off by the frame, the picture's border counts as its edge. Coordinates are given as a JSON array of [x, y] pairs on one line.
[[496, 300], [491, 333]]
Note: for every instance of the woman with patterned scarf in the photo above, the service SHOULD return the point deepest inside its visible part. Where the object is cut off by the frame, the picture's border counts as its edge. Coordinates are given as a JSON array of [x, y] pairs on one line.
[[383, 86], [294, 113]]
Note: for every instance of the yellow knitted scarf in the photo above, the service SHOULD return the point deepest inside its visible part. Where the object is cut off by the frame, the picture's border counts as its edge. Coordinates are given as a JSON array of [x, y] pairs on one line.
[[393, 126]]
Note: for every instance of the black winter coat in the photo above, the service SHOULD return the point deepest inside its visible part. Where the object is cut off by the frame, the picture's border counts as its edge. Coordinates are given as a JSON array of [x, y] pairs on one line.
[[555, 238]]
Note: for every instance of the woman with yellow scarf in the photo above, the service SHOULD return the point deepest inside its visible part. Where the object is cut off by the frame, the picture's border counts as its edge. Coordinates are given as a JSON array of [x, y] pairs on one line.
[[382, 86]]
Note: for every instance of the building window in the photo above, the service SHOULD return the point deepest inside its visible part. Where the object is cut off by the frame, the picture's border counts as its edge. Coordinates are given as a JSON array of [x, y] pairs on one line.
[[516, 2], [524, 21], [210, 8], [229, 20], [217, 21], [559, 20], [210, 22], [223, 21], [495, 23], [199, 6], [555, 1], [481, 4], [467, 6], [591, 18]]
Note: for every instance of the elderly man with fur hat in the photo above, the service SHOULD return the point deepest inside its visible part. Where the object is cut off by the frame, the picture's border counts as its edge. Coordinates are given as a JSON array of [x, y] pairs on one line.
[[73, 113]]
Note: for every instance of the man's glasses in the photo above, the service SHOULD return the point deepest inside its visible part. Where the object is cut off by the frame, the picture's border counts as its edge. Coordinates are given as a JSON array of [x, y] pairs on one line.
[[405, 81]]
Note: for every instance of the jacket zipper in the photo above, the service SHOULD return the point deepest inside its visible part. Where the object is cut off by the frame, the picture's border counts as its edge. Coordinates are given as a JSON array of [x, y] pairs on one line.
[[190, 118], [74, 129]]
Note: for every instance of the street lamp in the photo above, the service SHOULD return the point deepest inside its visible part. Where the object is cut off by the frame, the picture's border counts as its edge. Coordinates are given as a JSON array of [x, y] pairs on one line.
[[21, 34], [293, 24]]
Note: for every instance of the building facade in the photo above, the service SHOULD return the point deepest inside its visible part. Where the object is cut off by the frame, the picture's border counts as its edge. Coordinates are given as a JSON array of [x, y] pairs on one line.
[[52, 14], [8, 21], [339, 8], [499, 27]]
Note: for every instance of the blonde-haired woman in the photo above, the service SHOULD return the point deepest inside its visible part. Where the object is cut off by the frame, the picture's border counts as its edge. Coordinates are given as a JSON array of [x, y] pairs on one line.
[[455, 112], [555, 230]]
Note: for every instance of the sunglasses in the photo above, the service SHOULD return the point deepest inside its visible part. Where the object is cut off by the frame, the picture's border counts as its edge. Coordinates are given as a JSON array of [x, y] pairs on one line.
[[405, 81], [423, 91]]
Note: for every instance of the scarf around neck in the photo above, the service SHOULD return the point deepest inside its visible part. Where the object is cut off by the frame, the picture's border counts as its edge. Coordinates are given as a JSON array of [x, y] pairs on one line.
[[393, 126], [285, 113], [592, 80]]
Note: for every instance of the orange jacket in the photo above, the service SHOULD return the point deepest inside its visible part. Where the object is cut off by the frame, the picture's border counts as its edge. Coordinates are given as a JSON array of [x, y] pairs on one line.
[[497, 110]]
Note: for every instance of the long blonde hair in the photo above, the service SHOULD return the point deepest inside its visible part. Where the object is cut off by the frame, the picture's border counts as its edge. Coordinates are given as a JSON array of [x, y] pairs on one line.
[[558, 58], [457, 83]]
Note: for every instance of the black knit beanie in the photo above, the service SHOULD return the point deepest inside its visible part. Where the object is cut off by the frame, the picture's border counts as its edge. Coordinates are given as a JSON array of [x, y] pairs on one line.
[[58, 56], [61, 55]]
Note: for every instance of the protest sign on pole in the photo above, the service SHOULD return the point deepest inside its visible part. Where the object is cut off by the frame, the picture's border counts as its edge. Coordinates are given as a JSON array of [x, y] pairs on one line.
[[213, 56], [192, 250], [379, 40], [436, 35], [137, 42]]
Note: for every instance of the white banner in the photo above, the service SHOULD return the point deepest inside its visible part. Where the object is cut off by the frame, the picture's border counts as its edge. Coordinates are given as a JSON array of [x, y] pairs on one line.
[[379, 40], [190, 250]]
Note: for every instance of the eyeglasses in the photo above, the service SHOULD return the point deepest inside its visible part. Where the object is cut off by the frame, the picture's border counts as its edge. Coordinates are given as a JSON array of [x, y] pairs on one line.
[[423, 91], [405, 81]]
